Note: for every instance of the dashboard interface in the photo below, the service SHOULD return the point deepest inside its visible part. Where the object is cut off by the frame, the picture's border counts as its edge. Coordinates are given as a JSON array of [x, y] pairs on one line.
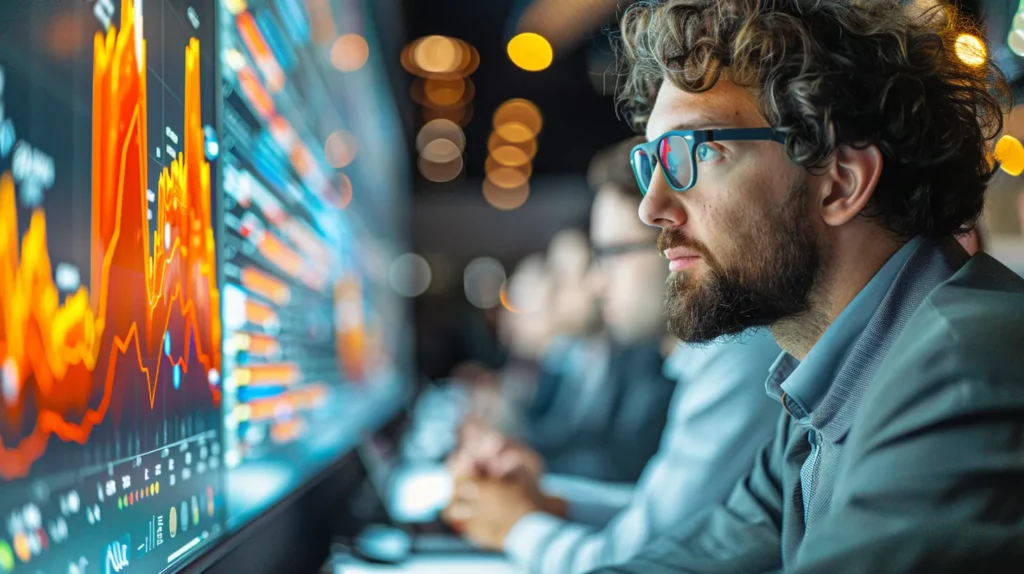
[[194, 315]]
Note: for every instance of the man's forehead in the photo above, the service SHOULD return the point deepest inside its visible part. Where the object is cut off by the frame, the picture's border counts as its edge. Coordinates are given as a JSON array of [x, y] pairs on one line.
[[724, 105]]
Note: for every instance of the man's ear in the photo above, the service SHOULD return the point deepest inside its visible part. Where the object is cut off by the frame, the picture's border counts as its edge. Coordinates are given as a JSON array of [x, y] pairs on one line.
[[849, 183]]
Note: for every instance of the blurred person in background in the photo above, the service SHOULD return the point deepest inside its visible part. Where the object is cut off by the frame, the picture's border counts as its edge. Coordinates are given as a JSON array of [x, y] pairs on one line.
[[603, 417], [587, 405], [525, 331], [718, 419], [574, 309]]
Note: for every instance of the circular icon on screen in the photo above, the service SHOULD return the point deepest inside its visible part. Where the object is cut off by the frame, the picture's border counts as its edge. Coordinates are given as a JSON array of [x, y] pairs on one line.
[[172, 522], [195, 511], [184, 516]]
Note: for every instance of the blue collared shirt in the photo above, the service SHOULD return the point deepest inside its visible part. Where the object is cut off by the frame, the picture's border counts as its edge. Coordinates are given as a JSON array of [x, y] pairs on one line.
[[801, 385]]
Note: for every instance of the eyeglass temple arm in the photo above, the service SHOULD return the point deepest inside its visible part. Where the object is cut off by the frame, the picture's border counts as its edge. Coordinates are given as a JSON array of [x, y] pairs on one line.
[[734, 134]]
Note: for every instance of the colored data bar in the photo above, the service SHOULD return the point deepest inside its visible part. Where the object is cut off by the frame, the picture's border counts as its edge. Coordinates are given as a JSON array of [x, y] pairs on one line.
[[248, 191], [287, 430], [257, 345], [268, 375], [282, 256], [259, 314], [276, 40], [266, 286], [310, 266], [283, 405], [260, 51], [253, 90]]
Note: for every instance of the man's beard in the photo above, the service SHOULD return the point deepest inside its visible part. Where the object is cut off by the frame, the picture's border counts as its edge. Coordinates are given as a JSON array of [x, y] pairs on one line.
[[776, 262]]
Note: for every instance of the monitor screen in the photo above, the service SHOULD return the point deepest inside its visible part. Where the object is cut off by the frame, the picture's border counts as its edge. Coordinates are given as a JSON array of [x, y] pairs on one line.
[[197, 211], [110, 330], [307, 365]]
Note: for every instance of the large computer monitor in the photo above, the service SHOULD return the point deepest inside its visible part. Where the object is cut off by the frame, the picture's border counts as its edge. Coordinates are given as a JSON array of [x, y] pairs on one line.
[[194, 313], [307, 362]]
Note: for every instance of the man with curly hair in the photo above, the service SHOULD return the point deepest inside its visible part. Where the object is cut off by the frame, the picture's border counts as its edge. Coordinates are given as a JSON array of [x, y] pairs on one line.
[[809, 163]]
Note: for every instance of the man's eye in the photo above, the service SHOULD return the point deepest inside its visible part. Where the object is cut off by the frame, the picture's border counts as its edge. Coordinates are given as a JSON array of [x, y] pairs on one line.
[[707, 153]]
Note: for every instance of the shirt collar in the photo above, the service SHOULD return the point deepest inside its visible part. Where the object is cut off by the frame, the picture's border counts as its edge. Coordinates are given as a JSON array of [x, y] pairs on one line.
[[801, 385]]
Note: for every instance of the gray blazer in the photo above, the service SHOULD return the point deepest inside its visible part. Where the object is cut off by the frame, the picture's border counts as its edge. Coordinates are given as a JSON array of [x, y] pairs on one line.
[[924, 453]]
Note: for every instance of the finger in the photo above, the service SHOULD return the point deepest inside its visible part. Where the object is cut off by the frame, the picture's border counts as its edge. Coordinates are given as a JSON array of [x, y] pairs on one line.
[[458, 512], [508, 465], [491, 444], [510, 461], [460, 464], [466, 491]]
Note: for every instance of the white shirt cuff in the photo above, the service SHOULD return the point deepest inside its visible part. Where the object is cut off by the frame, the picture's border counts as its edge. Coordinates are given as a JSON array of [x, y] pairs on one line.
[[526, 536]]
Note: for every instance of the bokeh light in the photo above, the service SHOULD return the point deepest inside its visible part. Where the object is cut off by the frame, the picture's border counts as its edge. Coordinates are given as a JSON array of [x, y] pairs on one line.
[[1016, 38], [506, 302], [344, 191], [530, 51], [505, 199], [1010, 154], [440, 151], [528, 147], [510, 156], [506, 176], [349, 52], [410, 275], [482, 281], [971, 50], [440, 172], [444, 93], [467, 63], [437, 54], [518, 120], [440, 129], [340, 149]]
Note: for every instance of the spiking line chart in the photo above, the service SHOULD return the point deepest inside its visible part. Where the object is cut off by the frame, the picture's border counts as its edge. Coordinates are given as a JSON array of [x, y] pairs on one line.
[[147, 288]]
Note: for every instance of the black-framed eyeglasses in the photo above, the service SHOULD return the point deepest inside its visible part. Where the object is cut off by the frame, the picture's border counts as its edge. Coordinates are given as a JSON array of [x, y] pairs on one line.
[[676, 153]]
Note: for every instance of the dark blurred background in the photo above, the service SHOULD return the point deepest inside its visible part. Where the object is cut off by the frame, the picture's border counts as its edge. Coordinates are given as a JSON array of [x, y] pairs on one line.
[[454, 224]]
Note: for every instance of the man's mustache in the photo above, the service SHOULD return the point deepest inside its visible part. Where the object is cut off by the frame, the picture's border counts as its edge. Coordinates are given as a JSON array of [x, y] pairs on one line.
[[673, 237]]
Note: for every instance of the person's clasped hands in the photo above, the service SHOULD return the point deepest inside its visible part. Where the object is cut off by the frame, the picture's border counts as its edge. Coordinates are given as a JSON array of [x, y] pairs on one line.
[[496, 483]]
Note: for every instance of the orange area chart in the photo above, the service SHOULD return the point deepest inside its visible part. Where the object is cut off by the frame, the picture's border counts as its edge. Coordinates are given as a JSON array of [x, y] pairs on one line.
[[150, 315]]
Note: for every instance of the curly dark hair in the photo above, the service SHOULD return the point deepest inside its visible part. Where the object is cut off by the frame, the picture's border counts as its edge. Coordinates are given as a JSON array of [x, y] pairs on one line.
[[840, 72]]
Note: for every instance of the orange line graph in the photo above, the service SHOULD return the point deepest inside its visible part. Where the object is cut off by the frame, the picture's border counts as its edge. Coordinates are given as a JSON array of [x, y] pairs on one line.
[[146, 286]]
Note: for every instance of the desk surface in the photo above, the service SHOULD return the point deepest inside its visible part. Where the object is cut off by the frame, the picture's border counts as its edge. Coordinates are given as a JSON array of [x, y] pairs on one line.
[[432, 565]]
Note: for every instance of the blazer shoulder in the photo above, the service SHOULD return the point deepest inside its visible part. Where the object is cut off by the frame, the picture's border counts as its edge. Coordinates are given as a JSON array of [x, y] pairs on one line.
[[971, 327]]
